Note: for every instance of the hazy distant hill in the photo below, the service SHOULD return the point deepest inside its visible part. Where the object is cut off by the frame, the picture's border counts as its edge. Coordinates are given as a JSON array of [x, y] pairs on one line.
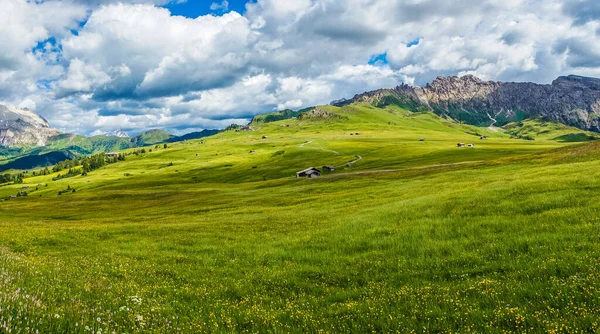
[[32, 161], [28, 141]]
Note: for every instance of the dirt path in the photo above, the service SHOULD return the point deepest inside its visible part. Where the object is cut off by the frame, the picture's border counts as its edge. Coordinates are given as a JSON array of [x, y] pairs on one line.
[[319, 148], [358, 158], [367, 172]]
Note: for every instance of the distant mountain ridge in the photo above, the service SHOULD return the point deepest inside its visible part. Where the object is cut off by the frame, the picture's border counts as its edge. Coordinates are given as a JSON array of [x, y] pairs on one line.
[[28, 141], [32, 161], [113, 133], [571, 100]]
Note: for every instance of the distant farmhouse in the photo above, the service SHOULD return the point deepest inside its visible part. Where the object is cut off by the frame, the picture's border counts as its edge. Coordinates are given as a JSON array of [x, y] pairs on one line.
[[112, 155], [329, 168], [310, 173]]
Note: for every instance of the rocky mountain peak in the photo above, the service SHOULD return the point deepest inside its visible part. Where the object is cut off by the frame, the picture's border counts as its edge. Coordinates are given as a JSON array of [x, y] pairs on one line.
[[466, 80], [23, 127], [9, 114], [577, 81]]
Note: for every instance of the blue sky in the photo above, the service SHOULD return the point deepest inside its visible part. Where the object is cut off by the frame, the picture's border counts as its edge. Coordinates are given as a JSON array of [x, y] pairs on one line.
[[133, 65], [195, 8]]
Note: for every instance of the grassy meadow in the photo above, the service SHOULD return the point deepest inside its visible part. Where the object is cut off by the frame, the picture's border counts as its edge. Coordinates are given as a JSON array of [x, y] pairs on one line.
[[217, 234]]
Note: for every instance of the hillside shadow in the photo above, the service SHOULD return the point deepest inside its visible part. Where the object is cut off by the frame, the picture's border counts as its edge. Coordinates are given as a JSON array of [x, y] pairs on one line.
[[575, 138]]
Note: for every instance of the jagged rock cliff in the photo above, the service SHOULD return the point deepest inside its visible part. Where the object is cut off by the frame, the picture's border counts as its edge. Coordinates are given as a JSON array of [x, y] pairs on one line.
[[23, 127], [572, 100]]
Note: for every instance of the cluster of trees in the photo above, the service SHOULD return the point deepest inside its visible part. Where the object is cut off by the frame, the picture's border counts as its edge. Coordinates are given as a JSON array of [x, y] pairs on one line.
[[72, 172], [44, 171], [78, 166], [142, 151], [87, 164], [68, 190], [19, 194], [16, 179]]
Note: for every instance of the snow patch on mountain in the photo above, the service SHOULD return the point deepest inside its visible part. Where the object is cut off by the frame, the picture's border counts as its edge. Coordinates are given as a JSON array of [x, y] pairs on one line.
[[114, 133], [23, 127]]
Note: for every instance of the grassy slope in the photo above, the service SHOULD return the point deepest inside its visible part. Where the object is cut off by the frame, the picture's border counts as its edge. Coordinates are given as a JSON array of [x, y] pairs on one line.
[[83, 145], [505, 240], [540, 129]]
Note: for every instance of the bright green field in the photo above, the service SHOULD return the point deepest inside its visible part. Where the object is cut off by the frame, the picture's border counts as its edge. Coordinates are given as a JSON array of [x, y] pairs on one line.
[[416, 236]]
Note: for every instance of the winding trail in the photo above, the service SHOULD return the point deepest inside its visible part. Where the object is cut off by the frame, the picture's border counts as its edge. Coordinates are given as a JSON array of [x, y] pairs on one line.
[[319, 148], [381, 171], [494, 121], [358, 158]]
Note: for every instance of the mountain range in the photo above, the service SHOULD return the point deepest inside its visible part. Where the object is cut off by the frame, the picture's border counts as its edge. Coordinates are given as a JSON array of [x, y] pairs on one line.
[[571, 100], [27, 140]]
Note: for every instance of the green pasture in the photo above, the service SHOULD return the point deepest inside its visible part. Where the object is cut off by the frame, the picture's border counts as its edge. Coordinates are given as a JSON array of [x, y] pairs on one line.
[[217, 234]]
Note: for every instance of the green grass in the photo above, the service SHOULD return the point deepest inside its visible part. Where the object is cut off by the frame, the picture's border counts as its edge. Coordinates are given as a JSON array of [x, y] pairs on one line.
[[80, 145], [416, 236], [535, 129]]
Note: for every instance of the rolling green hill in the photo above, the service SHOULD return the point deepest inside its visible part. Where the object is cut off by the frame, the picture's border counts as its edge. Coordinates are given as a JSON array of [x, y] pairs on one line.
[[540, 129], [69, 145], [410, 233], [278, 116], [46, 159]]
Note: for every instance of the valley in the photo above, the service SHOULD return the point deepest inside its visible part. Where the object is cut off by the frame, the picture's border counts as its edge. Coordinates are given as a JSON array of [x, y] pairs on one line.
[[303, 166], [217, 234]]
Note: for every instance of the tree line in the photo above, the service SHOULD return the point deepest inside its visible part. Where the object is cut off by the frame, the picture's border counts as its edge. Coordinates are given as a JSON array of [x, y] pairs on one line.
[[78, 166], [16, 179], [87, 164]]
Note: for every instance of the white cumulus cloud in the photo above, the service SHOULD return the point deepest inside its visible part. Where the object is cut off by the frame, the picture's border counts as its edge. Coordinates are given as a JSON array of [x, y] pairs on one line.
[[131, 64]]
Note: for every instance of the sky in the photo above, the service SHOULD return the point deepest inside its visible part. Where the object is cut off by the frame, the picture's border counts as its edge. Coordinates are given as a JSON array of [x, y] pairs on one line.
[[99, 65]]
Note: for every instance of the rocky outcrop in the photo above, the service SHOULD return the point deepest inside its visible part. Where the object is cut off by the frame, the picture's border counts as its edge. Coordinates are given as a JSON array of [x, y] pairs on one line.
[[20, 127], [572, 100], [318, 113]]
